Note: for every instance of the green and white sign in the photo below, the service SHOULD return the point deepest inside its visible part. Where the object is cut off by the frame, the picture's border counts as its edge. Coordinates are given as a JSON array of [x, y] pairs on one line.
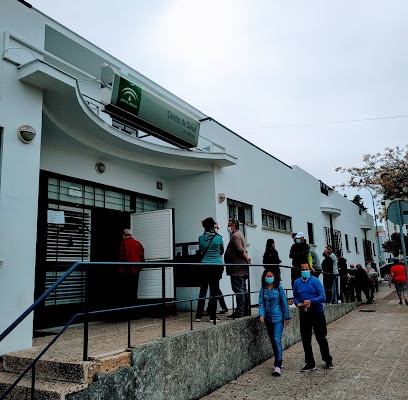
[[172, 124]]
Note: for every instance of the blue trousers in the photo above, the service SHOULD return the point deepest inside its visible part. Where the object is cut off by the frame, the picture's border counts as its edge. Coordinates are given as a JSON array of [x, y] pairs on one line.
[[275, 330]]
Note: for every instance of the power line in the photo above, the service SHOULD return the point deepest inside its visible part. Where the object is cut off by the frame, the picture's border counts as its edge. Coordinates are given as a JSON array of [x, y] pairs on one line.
[[325, 123]]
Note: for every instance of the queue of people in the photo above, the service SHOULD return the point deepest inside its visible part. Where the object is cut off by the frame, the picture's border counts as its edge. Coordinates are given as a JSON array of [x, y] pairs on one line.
[[309, 292]]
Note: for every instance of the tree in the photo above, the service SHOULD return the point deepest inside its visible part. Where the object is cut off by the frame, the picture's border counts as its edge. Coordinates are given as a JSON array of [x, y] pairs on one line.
[[386, 174], [359, 201], [394, 244]]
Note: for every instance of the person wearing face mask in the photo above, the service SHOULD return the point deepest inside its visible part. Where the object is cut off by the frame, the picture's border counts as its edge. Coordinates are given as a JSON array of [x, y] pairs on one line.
[[274, 313], [309, 296], [236, 253], [299, 253]]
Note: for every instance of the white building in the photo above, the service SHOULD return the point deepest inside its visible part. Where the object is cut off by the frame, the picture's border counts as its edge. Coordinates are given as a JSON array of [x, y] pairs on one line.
[[67, 192]]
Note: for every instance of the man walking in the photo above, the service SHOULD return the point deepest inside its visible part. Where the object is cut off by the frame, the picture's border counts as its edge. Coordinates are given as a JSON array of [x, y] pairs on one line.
[[308, 296], [236, 253]]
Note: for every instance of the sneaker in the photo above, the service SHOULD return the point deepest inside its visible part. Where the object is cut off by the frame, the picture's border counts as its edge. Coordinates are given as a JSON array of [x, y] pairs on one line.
[[400, 302], [216, 320], [224, 311], [329, 365], [198, 320], [277, 372], [308, 367]]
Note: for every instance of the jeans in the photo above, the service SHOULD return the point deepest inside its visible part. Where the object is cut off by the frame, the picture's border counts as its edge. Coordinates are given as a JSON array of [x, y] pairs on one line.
[[275, 330], [238, 285], [317, 322], [334, 290], [213, 283]]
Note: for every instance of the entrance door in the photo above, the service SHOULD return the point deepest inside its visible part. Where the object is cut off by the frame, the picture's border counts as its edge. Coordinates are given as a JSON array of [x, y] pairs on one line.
[[107, 229]]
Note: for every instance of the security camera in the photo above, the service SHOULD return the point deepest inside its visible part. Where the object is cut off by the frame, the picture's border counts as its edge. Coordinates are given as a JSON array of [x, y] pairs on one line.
[[26, 133]]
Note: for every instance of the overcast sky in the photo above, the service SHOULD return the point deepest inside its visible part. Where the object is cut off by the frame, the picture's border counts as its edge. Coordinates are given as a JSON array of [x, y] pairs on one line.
[[283, 74]]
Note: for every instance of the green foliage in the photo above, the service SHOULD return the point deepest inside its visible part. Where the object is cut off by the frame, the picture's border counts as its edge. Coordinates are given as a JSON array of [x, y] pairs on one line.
[[394, 244]]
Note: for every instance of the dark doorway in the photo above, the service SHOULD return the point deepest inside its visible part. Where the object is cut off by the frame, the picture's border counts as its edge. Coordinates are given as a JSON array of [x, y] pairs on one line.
[[107, 228]]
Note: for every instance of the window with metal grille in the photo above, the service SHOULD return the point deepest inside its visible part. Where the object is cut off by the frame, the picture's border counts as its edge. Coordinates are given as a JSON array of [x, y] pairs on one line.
[[333, 239], [240, 211], [275, 221], [94, 196]]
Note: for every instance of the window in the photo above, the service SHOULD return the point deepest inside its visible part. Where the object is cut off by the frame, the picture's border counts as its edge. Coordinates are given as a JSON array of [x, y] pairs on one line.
[[333, 239], [310, 232], [355, 244], [368, 255], [240, 211], [275, 221], [62, 190], [324, 188], [347, 242]]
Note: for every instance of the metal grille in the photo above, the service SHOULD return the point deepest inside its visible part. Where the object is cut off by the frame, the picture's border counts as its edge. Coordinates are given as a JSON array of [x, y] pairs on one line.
[[70, 241], [70, 291], [336, 238]]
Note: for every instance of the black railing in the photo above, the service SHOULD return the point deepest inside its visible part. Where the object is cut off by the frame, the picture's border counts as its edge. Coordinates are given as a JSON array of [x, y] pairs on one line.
[[86, 314]]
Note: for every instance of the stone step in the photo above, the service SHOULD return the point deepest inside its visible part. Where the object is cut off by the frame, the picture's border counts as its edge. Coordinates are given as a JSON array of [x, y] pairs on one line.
[[45, 389], [74, 372], [55, 379]]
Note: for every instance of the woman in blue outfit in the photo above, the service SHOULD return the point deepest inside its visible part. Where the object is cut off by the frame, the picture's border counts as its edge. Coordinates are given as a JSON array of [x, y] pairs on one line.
[[274, 313]]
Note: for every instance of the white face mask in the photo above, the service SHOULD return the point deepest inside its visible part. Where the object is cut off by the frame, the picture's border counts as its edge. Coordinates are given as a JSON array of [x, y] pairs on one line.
[[229, 230]]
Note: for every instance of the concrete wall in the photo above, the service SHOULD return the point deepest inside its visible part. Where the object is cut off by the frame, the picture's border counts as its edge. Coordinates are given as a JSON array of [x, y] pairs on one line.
[[191, 365]]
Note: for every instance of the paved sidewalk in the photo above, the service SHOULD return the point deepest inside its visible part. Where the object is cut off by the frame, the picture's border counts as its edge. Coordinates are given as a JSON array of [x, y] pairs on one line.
[[370, 355]]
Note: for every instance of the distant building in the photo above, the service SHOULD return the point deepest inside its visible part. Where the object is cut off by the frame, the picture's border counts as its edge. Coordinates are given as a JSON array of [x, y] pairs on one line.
[[89, 146]]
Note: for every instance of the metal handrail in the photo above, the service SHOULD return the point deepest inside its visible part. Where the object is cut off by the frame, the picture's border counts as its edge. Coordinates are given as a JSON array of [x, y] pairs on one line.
[[87, 313]]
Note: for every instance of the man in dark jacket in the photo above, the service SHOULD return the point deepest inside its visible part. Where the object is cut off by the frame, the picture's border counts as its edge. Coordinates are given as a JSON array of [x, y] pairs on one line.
[[362, 284], [236, 253], [299, 253]]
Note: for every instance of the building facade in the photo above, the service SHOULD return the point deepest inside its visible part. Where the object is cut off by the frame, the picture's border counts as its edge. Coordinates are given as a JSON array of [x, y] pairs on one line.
[[76, 166]]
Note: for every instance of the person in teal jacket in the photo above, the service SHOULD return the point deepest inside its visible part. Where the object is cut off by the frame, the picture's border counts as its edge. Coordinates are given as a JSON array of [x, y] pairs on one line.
[[274, 313], [211, 248]]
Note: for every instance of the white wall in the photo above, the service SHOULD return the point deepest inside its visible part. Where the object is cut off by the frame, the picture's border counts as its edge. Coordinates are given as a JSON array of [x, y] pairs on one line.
[[19, 105]]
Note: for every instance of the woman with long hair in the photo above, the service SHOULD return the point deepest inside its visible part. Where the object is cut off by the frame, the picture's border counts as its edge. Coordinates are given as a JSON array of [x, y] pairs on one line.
[[274, 313]]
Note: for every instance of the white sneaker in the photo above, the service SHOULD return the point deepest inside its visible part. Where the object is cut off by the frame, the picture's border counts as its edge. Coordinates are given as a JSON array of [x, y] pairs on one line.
[[216, 320], [198, 320]]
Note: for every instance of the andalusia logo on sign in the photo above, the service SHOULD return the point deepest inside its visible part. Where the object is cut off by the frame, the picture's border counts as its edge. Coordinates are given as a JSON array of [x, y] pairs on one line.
[[129, 96]]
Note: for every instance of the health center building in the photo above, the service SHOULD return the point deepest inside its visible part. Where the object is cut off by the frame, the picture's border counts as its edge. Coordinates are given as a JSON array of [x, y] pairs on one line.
[[89, 146]]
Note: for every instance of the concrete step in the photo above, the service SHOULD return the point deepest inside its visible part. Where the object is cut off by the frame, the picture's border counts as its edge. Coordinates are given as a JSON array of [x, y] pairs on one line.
[[45, 389], [66, 371], [55, 379], [76, 372]]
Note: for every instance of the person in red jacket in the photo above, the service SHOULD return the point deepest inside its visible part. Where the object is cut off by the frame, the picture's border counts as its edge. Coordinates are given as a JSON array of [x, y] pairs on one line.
[[130, 250], [398, 276]]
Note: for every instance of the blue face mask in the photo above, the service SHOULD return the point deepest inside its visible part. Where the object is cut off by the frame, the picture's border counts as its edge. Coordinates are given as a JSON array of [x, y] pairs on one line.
[[268, 280], [298, 241], [306, 274]]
